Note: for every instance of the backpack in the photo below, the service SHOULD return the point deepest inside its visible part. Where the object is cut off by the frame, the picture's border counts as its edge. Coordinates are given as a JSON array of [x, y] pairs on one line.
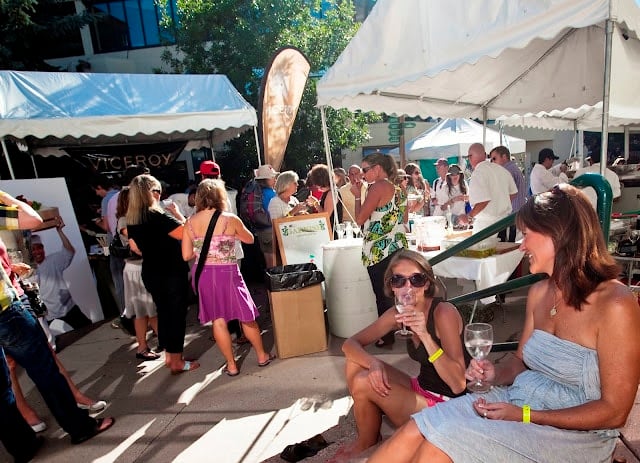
[[250, 208]]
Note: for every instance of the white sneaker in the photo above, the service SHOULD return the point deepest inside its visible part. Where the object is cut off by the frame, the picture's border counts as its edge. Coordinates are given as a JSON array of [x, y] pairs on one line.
[[97, 406]]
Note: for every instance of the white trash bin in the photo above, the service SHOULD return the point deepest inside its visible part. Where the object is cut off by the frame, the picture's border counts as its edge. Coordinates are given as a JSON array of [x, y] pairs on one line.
[[351, 303]]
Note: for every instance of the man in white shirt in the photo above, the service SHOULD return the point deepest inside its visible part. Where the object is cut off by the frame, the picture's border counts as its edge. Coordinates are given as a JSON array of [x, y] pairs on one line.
[[491, 189], [542, 179], [186, 202], [348, 198], [442, 167], [609, 175]]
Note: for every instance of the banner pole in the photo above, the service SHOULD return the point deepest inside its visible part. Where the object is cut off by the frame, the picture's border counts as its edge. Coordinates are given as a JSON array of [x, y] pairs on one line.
[[255, 133]]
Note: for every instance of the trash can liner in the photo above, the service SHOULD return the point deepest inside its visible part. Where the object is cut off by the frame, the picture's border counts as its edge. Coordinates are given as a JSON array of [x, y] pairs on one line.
[[291, 277]]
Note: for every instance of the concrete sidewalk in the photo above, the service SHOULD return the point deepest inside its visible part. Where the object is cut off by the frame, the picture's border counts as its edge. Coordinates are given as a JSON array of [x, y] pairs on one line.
[[206, 416]]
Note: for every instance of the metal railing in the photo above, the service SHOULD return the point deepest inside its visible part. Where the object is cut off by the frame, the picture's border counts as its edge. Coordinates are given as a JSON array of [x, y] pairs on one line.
[[605, 198]]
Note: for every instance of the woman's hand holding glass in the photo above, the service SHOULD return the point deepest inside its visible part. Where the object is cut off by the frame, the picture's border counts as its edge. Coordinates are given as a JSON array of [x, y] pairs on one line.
[[414, 320], [483, 370]]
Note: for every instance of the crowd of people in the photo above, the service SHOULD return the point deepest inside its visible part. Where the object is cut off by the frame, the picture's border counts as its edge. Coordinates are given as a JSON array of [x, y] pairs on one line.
[[193, 243]]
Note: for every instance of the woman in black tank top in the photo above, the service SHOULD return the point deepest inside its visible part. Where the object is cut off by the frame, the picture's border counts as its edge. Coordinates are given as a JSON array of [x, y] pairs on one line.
[[378, 388]]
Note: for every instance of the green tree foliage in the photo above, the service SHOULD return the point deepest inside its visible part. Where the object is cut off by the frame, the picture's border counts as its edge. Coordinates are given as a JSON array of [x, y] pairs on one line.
[[27, 26], [238, 38]]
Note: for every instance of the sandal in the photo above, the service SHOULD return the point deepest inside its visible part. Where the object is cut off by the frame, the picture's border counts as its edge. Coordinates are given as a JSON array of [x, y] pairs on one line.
[[231, 373], [102, 424], [188, 366], [268, 361], [147, 355]]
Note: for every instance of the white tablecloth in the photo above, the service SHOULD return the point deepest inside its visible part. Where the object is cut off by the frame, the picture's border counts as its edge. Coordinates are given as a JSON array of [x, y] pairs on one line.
[[485, 272]]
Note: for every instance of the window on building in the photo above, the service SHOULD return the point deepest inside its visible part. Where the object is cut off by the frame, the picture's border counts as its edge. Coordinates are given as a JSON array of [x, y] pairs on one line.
[[68, 44], [128, 24]]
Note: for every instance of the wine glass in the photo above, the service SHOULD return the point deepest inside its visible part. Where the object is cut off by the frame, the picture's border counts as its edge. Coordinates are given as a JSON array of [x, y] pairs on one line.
[[348, 228], [340, 230], [405, 301], [478, 339]]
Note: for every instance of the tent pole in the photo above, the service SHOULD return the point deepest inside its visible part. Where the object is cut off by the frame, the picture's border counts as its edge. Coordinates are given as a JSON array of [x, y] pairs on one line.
[[33, 163], [6, 156], [626, 143], [484, 127], [332, 182], [255, 134], [605, 96], [401, 147]]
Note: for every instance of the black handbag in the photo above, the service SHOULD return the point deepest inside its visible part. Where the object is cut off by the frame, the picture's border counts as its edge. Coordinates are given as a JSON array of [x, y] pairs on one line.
[[32, 291], [117, 249]]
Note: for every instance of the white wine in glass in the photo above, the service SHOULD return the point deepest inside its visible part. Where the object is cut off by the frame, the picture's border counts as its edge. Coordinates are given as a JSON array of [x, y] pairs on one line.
[[478, 339], [405, 301]]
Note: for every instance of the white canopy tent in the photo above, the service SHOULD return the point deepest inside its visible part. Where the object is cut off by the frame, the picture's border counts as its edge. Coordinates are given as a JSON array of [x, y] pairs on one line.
[[452, 137], [488, 58], [60, 108]]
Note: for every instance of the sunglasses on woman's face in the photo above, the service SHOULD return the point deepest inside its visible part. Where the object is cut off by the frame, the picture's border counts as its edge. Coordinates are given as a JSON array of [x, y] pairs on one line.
[[417, 280]]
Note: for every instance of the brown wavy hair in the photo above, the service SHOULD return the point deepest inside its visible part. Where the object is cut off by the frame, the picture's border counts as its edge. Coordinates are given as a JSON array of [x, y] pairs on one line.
[[385, 161], [581, 261], [420, 261], [211, 194]]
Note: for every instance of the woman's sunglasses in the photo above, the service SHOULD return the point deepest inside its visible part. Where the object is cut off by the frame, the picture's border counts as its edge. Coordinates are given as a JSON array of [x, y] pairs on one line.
[[417, 280]]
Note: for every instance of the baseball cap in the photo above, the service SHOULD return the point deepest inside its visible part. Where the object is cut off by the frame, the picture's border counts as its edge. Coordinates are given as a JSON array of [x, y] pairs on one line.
[[546, 153], [454, 169], [265, 171], [35, 239], [441, 162], [209, 168]]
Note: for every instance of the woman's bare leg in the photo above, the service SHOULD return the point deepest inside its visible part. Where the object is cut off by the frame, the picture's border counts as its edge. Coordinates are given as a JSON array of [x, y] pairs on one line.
[[223, 340], [28, 413], [153, 323], [369, 406], [429, 453], [252, 333], [402, 447], [141, 325]]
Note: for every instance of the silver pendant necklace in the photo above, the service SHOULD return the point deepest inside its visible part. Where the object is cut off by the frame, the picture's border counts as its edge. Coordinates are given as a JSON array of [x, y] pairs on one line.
[[554, 310]]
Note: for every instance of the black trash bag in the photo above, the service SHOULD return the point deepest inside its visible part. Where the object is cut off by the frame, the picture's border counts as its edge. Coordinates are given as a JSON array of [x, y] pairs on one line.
[[295, 276]]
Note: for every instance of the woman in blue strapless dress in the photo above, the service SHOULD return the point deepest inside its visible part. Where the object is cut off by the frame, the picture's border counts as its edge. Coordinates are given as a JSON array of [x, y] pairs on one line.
[[572, 381]]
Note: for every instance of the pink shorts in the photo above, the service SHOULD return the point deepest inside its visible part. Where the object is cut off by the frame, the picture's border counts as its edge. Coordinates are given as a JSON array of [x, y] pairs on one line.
[[432, 397]]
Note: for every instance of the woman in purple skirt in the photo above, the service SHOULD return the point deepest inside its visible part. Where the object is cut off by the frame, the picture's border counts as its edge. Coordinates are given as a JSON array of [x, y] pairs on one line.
[[222, 293]]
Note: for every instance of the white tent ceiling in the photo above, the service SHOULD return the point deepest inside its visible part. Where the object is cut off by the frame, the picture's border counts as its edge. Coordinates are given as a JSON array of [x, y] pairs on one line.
[[452, 137], [488, 58], [61, 108]]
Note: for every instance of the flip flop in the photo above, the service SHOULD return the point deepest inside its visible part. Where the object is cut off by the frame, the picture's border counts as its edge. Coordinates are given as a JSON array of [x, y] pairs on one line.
[[188, 366], [102, 424], [229, 373], [268, 361], [147, 355]]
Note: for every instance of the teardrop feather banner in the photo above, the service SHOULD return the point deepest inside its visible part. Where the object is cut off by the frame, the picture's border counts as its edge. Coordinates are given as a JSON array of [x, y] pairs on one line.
[[282, 87]]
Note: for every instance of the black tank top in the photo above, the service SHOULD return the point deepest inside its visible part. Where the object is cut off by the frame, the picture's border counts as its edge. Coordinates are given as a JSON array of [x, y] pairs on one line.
[[428, 377]]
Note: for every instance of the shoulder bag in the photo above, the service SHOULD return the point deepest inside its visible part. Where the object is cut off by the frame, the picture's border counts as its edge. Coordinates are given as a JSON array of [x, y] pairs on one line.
[[205, 249]]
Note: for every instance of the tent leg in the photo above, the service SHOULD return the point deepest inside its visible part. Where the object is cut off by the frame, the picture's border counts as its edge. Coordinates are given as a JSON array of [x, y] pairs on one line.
[[33, 163], [605, 96], [484, 127], [327, 152], [6, 156]]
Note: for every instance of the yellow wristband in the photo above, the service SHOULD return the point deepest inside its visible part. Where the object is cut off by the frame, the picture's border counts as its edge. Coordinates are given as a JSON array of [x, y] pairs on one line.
[[526, 414], [436, 355]]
